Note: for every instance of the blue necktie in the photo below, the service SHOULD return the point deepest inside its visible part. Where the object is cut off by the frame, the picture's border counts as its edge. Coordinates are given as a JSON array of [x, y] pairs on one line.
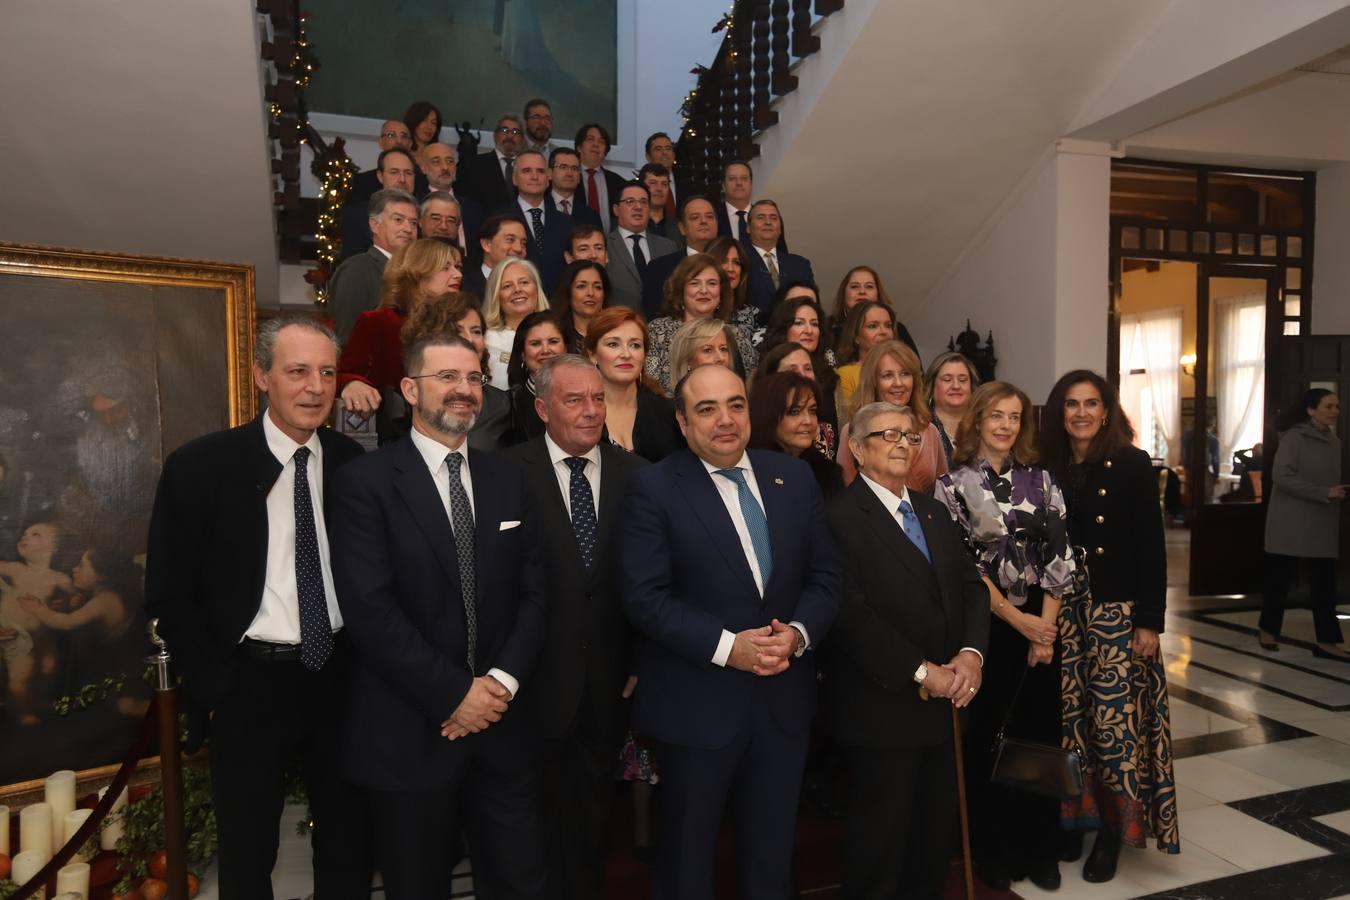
[[909, 521], [316, 629], [461, 522], [755, 523], [582, 502]]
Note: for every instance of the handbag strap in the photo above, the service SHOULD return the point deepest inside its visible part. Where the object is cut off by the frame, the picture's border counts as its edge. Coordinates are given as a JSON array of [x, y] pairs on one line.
[[1012, 705]]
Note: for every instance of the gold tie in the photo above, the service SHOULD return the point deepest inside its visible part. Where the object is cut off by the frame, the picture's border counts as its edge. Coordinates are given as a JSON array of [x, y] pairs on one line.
[[773, 268]]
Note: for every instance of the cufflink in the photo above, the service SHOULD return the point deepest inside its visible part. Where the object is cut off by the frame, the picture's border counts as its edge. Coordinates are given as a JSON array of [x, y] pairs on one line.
[[778, 481]]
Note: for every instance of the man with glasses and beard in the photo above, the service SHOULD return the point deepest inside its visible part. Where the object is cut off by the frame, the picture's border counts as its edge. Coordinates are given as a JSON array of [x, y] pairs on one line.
[[439, 576]]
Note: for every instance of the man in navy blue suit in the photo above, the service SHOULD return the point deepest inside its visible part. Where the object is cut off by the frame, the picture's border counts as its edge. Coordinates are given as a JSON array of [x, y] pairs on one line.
[[730, 577], [767, 260], [546, 230]]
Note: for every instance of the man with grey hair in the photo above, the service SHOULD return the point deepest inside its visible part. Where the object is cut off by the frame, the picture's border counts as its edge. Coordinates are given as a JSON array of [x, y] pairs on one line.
[[907, 646], [438, 161], [768, 264], [355, 286], [579, 482], [238, 571], [439, 573], [487, 176], [396, 170]]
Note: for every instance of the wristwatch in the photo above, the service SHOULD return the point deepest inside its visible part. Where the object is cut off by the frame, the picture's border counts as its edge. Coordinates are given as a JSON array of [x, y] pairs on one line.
[[921, 673]]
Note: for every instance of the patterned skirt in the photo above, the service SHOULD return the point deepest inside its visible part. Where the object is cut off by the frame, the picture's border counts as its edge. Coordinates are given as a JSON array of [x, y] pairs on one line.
[[1116, 716]]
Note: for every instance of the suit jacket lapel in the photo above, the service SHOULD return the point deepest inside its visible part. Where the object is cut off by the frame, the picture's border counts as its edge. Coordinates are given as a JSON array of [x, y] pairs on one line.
[[540, 470], [609, 506], [893, 541], [777, 510], [624, 250], [707, 504], [419, 492], [266, 470]]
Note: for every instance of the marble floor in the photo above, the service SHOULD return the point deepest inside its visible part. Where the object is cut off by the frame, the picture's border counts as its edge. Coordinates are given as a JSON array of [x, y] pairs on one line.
[[1262, 746]]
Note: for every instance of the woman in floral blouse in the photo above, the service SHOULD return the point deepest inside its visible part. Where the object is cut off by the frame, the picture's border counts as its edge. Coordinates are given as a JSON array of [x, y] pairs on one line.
[[1012, 515]]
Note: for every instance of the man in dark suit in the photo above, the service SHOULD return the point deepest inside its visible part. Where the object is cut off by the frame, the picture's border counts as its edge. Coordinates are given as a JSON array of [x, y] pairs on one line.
[[237, 571], [730, 576], [499, 237], [439, 162], [355, 285], [487, 177], [393, 133], [599, 188], [915, 614], [659, 149], [733, 213], [631, 246], [564, 166], [395, 172], [698, 228], [657, 179], [438, 574], [580, 484], [767, 263], [545, 232]]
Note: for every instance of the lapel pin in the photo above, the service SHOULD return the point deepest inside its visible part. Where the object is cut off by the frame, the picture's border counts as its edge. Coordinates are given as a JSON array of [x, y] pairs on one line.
[[778, 481]]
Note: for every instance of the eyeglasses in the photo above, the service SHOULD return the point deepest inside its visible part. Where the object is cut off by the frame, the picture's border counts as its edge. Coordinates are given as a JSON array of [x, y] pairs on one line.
[[450, 376], [567, 167], [393, 134], [895, 436], [502, 129], [539, 117], [635, 202]]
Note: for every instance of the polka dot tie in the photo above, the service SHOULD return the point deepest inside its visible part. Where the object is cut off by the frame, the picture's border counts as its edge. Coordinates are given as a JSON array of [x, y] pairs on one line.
[[537, 237], [755, 522], [910, 523], [316, 629], [582, 501], [461, 520]]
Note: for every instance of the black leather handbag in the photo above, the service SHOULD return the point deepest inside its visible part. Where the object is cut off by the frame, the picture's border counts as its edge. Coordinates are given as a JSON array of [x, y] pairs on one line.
[[1031, 766]]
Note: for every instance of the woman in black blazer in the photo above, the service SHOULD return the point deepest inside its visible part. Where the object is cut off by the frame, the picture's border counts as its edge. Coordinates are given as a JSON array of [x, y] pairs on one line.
[[1110, 634], [638, 417]]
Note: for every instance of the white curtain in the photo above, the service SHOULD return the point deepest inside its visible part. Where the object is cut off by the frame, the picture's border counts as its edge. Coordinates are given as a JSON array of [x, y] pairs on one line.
[[1161, 332], [1240, 367]]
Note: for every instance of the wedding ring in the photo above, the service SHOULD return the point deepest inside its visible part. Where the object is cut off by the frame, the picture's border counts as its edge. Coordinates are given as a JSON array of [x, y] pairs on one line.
[[972, 690]]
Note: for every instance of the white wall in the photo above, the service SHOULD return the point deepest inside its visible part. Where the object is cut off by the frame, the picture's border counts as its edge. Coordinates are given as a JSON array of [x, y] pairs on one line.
[[1331, 263]]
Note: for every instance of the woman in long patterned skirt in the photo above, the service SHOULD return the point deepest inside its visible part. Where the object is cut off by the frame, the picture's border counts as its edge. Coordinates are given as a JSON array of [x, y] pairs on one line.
[[1114, 685]]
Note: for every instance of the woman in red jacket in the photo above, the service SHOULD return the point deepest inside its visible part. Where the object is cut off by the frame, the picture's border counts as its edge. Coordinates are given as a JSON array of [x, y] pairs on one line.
[[371, 364]]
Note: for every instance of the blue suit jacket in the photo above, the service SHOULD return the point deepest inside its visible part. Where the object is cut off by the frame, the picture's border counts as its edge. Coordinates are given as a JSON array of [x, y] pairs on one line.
[[791, 267], [557, 227], [685, 579]]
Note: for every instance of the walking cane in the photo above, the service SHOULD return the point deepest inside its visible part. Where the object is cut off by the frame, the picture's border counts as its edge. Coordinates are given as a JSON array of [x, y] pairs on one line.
[[961, 800]]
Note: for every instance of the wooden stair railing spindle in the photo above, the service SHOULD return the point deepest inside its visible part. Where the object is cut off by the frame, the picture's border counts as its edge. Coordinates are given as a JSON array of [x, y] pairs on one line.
[[804, 43], [760, 114], [783, 81]]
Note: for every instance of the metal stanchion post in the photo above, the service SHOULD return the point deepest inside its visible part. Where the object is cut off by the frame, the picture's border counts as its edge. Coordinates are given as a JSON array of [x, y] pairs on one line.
[[170, 767]]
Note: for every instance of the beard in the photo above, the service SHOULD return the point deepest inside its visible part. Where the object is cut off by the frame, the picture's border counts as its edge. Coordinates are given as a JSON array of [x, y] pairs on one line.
[[447, 422]]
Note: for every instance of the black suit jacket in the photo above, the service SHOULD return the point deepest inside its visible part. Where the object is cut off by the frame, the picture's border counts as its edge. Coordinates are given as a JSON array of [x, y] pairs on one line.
[[556, 229], [586, 658], [397, 576], [654, 281], [791, 267], [581, 213], [355, 214], [206, 559], [724, 225], [614, 184], [656, 433], [898, 610], [481, 178]]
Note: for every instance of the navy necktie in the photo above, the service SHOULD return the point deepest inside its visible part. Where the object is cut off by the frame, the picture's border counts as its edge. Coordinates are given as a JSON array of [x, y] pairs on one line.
[[742, 231], [316, 629], [755, 522], [582, 501], [537, 238], [461, 520], [909, 521], [639, 258]]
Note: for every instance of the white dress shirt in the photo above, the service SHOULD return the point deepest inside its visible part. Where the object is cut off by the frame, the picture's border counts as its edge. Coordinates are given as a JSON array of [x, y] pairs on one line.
[[628, 243], [730, 494], [559, 201], [525, 208], [733, 217], [434, 454], [278, 618], [387, 254], [892, 504], [765, 254], [501, 164], [563, 472], [499, 342]]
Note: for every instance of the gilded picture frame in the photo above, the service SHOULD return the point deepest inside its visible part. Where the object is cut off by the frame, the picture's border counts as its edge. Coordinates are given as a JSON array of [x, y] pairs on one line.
[[112, 362]]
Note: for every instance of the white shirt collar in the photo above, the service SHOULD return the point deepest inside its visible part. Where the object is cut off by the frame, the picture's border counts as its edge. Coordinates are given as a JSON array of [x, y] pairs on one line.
[[501, 158], [743, 464], [487, 270], [888, 500], [526, 207], [557, 454], [627, 235], [387, 254], [559, 198], [434, 452], [764, 254], [281, 444], [732, 212], [690, 251]]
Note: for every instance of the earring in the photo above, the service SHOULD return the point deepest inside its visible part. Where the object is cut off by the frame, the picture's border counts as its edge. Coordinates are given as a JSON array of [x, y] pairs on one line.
[[1104, 421]]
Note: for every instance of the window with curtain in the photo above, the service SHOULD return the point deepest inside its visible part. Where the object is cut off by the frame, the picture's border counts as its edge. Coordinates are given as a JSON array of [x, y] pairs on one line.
[[1150, 386], [1240, 372]]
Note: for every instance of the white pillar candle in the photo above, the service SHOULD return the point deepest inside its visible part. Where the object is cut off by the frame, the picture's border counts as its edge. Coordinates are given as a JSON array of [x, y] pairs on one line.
[[73, 879], [26, 865], [4, 831], [35, 830], [74, 822], [113, 826], [59, 792]]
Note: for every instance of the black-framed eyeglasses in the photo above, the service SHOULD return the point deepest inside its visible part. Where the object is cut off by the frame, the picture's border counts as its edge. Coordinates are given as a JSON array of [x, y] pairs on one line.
[[895, 436], [450, 376], [502, 129]]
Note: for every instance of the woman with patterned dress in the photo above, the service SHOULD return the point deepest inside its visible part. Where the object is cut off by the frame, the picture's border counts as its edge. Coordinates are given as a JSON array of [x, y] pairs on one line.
[[1012, 516], [697, 289], [1114, 685]]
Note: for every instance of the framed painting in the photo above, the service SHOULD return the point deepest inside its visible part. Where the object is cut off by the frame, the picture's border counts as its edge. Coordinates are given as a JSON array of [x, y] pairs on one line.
[[110, 363]]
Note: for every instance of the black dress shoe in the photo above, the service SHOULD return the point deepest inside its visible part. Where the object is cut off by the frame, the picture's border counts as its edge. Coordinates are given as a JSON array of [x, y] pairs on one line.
[[1271, 647], [1101, 862], [1327, 654], [1070, 846], [993, 873], [1044, 873]]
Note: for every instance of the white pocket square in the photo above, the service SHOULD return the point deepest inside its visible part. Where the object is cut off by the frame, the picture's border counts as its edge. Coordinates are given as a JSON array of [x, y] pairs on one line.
[[507, 526]]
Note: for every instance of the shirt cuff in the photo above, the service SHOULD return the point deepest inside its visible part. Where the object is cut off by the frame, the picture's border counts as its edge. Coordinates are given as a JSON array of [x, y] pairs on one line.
[[976, 652], [724, 645], [806, 638], [506, 680]]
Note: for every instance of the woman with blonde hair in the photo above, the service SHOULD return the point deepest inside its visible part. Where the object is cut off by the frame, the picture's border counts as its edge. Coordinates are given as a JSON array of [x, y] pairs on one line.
[[371, 364], [698, 343], [891, 373], [697, 289], [513, 291]]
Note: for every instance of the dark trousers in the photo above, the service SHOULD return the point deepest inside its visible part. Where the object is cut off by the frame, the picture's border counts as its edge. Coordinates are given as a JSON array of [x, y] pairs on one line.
[[1280, 572], [277, 715], [576, 783], [1010, 825], [760, 772], [900, 830], [493, 795]]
